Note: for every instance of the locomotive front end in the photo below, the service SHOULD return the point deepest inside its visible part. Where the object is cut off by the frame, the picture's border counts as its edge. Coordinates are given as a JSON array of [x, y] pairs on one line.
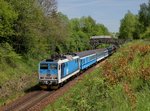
[[48, 73]]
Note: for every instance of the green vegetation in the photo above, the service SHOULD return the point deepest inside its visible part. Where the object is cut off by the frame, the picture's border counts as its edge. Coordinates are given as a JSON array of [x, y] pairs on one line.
[[120, 83], [27, 26], [31, 31], [103, 46], [128, 26], [136, 26], [16, 74], [8, 16], [81, 31]]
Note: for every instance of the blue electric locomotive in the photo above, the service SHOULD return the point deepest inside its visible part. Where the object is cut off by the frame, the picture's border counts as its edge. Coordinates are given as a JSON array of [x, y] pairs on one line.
[[56, 71]]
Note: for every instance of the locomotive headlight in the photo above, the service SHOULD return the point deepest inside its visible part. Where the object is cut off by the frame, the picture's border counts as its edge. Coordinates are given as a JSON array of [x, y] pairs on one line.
[[41, 77], [55, 77]]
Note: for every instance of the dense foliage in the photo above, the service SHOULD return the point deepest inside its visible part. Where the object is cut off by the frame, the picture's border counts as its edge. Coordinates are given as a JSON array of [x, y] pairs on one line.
[[7, 18], [28, 25], [128, 26], [136, 26], [121, 83], [81, 31]]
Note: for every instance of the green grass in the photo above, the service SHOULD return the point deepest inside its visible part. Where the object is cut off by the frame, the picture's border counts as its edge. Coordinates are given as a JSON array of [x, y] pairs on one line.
[[103, 46], [122, 83], [16, 74]]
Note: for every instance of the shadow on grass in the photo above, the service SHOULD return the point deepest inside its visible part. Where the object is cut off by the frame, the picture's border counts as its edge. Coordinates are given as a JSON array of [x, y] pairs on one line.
[[36, 88], [33, 88]]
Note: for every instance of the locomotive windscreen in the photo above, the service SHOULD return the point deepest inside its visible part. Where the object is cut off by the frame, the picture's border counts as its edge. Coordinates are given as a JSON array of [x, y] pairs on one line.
[[43, 66], [53, 66]]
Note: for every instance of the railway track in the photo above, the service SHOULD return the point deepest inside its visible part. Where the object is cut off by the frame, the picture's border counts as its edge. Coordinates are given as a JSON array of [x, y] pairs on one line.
[[38, 100], [27, 101]]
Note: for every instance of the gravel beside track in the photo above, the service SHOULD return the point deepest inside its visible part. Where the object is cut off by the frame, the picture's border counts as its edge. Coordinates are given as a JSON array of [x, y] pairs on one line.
[[27, 101]]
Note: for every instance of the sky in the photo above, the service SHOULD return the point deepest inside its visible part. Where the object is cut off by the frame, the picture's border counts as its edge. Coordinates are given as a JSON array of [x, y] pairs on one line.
[[107, 12]]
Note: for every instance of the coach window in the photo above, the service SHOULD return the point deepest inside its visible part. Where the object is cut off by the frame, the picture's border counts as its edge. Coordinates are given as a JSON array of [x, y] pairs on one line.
[[83, 61]]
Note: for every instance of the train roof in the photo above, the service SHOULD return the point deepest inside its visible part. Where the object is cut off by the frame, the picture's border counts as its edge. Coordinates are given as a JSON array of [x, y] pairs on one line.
[[89, 52], [99, 37], [58, 57], [70, 56]]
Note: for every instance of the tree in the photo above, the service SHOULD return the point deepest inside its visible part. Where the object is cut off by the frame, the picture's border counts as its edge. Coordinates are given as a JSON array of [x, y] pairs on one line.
[[7, 18], [49, 6], [26, 25], [146, 34], [81, 31], [100, 29], [128, 26], [59, 31], [144, 19], [87, 25], [34, 28], [144, 15]]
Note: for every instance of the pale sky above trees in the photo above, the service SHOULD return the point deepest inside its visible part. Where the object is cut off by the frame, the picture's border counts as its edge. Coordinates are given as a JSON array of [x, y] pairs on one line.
[[107, 12]]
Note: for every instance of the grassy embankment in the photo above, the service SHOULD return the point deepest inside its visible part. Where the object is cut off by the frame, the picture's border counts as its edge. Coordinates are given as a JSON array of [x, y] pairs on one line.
[[17, 74], [122, 83]]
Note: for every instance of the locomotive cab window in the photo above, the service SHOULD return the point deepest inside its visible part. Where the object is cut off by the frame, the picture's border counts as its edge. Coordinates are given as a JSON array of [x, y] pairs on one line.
[[43, 66], [53, 66]]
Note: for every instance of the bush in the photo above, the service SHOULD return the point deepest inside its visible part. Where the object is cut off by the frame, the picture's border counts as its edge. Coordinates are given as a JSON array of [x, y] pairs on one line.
[[8, 55], [15, 74]]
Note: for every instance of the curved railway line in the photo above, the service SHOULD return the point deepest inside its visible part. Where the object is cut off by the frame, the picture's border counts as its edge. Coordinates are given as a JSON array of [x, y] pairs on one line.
[[37, 100], [27, 101]]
